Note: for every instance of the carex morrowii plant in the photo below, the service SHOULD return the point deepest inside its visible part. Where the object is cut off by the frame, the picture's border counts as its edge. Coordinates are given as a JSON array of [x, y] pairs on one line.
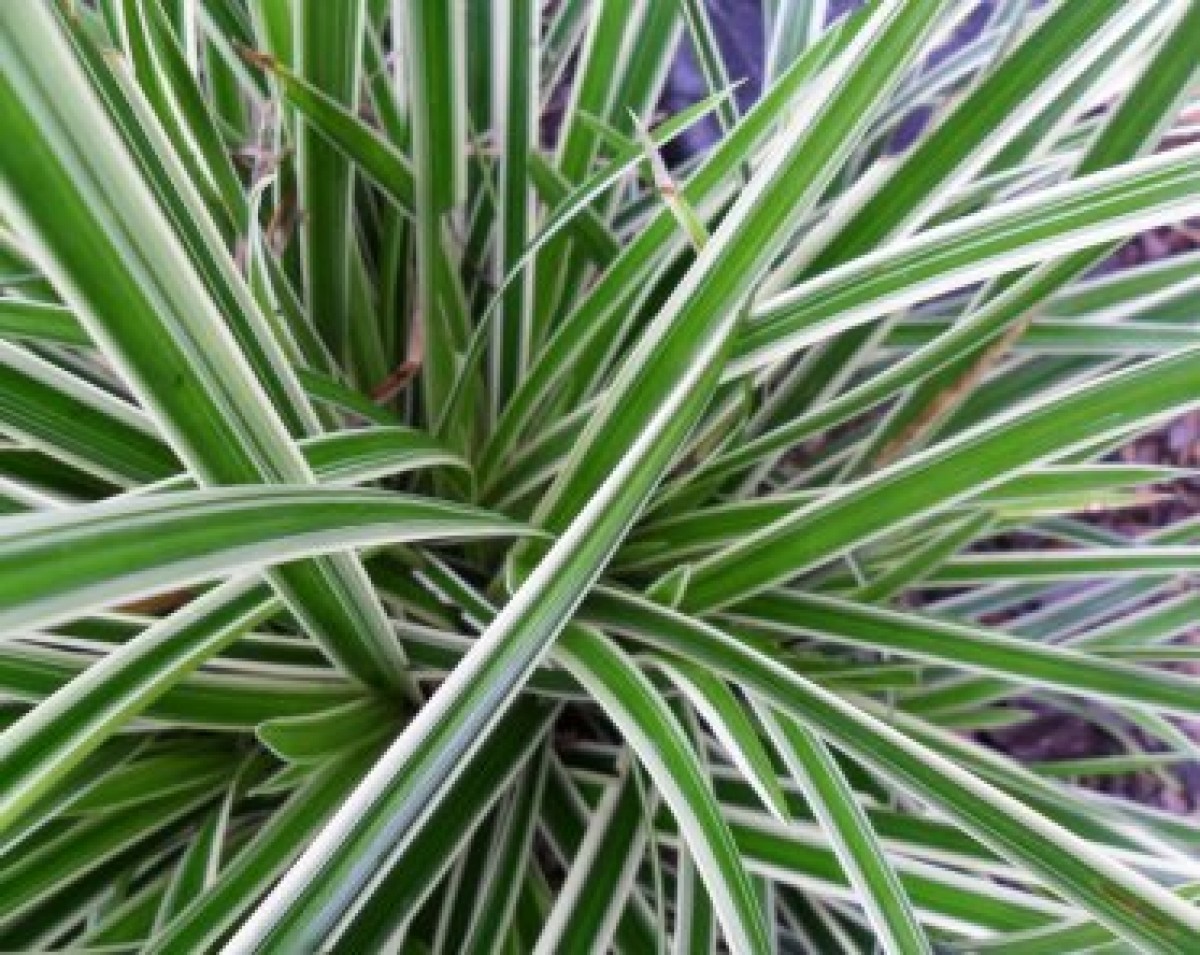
[[440, 515]]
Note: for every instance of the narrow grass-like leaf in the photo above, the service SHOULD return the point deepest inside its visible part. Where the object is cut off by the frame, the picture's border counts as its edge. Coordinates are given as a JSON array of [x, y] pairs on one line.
[[178, 357], [726, 717], [210, 915], [1082, 214], [588, 320], [324, 736], [370, 152], [974, 647], [515, 112], [1129, 903], [585, 915], [328, 38], [58, 565], [414, 875], [647, 725], [494, 912], [835, 805], [1043, 429]]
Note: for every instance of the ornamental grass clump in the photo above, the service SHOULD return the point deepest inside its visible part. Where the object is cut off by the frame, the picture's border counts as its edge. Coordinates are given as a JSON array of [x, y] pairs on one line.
[[440, 515]]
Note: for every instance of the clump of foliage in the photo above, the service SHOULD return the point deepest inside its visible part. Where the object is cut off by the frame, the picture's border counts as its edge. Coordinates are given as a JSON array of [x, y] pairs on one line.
[[433, 521]]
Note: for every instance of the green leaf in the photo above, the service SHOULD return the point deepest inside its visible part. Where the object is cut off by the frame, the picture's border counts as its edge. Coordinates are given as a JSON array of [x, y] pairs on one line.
[[592, 317], [76, 422], [758, 422], [516, 115], [412, 878], [200, 864], [328, 39], [1064, 565], [210, 915], [324, 736], [648, 727], [60, 863], [724, 714], [1043, 429], [124, 273], [57, 565], [973, 647], [54, 737], [602, 874], [836, 806], [1130, 904], [1082, 214], [494, 912], [367, 149]]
